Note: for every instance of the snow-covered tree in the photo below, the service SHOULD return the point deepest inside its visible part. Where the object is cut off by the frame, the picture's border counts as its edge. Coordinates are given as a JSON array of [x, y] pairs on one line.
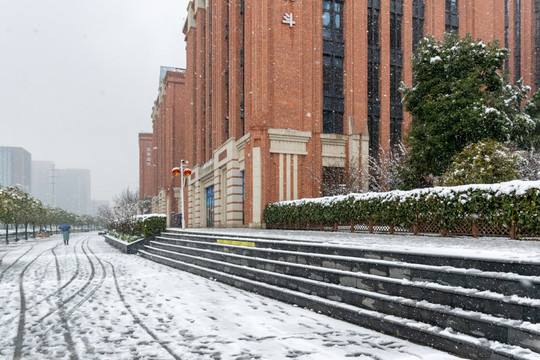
[[461, 96], [485, 162]]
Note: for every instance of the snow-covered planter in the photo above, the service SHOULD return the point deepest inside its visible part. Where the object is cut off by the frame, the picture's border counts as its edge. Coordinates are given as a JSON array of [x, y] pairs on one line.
[[152, 224], [513, 205]]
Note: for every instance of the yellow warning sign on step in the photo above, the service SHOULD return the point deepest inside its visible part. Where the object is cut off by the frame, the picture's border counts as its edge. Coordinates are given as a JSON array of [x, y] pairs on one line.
[[236, 242]]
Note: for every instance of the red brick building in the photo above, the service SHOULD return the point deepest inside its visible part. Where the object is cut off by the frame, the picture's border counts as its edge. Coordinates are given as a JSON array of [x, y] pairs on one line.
[[146, 166], [281, 95], [166, 144]]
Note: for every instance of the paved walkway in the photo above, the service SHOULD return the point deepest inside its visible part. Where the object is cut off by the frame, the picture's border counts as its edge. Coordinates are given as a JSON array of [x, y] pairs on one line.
[[89, 301]]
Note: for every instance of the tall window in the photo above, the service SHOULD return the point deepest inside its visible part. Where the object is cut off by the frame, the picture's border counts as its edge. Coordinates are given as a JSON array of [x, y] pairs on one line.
[[210, 72], [452, 16], [517, 39], [374, 61], [227, 21], [537, 44], [210, 206], [396, 67], [333, 54], [418, 22], [242, 67], [506, 29]]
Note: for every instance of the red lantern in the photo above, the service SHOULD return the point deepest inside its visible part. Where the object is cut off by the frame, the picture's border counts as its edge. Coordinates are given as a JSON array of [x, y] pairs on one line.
[[176, 171], [187, 172]]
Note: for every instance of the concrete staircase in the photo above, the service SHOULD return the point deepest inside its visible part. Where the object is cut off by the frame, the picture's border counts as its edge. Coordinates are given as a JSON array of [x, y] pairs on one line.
[[478, 309]]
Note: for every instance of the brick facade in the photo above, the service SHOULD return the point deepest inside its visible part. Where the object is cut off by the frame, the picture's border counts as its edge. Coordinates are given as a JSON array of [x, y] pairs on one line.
[[168, 123], [146, 165], [257, 100]]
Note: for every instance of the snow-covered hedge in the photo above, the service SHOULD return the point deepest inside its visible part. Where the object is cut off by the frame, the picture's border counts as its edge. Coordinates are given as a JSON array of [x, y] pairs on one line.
[[515, 202], [150, 224]]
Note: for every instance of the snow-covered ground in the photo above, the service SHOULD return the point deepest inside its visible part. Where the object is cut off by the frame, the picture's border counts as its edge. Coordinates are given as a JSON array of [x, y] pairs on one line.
[[482, 247], [89, 301]]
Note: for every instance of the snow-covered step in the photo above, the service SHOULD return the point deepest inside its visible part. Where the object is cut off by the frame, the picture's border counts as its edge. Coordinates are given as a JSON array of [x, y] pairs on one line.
[[509, 284], [438, 337], [466, 262], [512, 332], [512, 307]]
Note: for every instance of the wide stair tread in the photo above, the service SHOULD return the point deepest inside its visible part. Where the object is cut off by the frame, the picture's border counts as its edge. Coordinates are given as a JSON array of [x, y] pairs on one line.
[[498, 312]]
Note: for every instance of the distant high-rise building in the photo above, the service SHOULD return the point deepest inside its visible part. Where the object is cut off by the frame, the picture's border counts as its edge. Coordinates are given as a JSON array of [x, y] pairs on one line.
[[15, 167], [73, 190], [44, 181]]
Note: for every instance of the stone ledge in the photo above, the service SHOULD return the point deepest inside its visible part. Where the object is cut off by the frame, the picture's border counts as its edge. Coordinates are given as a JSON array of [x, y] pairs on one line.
[[128, 248]]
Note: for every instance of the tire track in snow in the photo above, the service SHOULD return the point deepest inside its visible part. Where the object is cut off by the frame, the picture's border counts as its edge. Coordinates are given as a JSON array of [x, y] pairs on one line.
[[22, 310], [13, 263], [63, 318], [136, 319], [98, 286], [44, 270], [87, 296], [78, 292]]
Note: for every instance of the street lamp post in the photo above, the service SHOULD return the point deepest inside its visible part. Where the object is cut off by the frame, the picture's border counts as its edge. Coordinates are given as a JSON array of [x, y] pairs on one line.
[[185, 173]]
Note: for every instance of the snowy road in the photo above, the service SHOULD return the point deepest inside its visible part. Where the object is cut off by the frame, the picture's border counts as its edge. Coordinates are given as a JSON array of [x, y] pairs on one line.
[[89, 301]]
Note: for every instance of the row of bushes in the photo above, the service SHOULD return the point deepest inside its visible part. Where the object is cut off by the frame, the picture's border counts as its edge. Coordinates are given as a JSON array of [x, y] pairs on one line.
[[511, 203], [142, 225]]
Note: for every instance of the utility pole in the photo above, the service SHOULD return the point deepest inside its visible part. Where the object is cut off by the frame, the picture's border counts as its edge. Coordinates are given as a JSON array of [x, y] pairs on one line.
[[53, 184]]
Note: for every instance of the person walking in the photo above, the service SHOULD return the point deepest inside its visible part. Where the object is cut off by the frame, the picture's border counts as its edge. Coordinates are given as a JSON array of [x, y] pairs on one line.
[[65, 233]]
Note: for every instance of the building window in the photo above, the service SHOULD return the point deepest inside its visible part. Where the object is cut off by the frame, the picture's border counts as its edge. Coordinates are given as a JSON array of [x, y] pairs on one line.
[[209, 126], [506, 30], [517, 39], [210, 206], [242, 67], [537, 44], [452, 16], [332, 183], [333, 55], [418, 22], [227, 21], [396, 66], [374, 61], [243, 196]]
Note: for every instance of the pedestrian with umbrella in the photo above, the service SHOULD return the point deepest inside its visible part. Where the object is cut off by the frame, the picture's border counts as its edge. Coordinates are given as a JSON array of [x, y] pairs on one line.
[[65, 233]]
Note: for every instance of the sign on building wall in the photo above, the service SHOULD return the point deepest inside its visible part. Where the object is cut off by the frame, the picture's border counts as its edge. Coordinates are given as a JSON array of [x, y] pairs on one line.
[[288, 18]]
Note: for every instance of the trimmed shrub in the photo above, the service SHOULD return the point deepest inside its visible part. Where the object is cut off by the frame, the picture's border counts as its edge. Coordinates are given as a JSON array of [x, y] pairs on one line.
[[485, 162], [515, 202], [153, 224]]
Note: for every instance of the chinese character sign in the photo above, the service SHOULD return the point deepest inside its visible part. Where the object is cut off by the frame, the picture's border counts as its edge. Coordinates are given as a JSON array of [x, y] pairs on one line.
[[288, 19]]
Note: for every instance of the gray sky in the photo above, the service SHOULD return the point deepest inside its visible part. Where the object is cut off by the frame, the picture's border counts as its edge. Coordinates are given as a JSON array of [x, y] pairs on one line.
[[78, 79]]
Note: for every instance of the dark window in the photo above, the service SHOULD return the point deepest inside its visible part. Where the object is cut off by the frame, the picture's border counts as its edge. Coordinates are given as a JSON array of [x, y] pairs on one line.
[[418, 22], [452, 16], [332, 183], [374, 60], [537, 44], [396, 66], [210, 206], [243, 196], [210, 83], [333, 54], [517, 39], [227, 69], [242, 66], [506, 29]]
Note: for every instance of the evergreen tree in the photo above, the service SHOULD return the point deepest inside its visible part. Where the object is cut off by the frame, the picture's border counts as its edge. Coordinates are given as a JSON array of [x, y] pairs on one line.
[[461, 96], [485, 162]]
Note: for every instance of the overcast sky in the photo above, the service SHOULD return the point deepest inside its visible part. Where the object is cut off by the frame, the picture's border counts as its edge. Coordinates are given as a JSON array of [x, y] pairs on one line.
[[78, 79]]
